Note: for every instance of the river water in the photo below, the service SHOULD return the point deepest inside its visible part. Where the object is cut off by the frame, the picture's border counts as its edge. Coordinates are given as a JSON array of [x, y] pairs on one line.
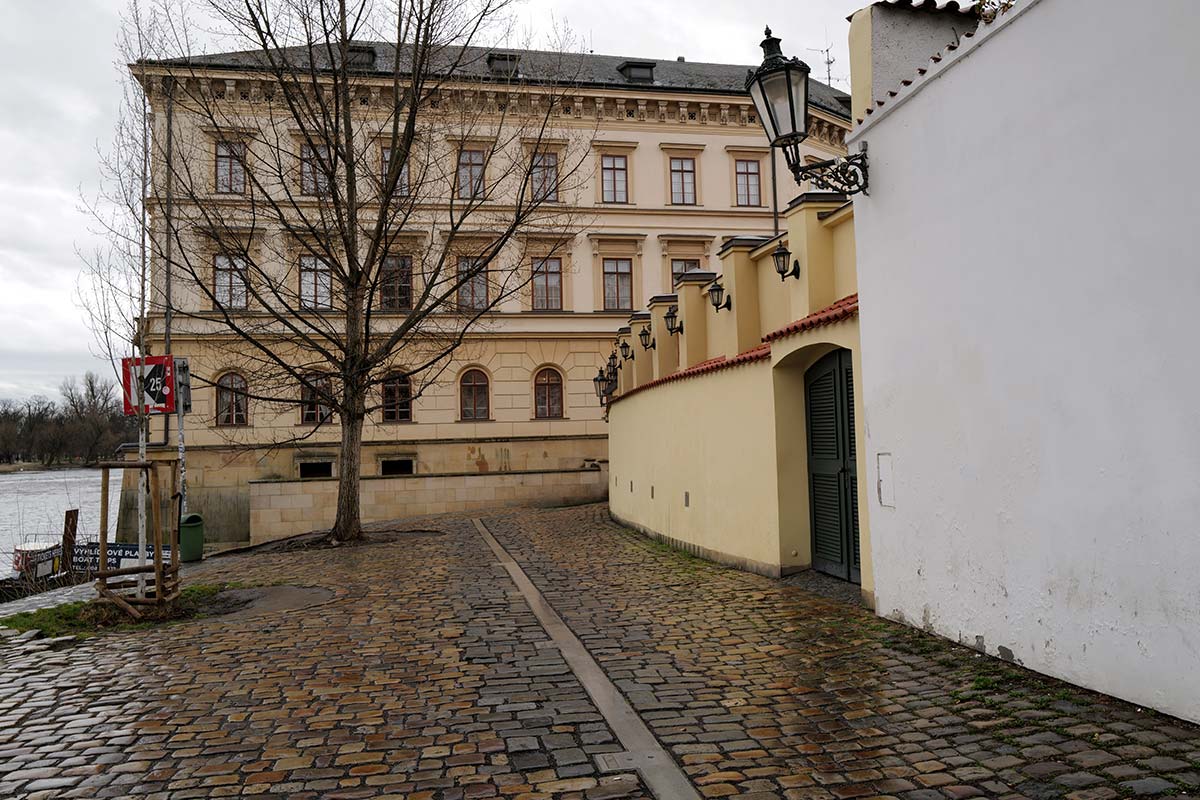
[[32, 506]]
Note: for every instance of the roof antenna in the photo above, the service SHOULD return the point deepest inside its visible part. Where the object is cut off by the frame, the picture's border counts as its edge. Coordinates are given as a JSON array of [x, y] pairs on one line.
[[827, 51]]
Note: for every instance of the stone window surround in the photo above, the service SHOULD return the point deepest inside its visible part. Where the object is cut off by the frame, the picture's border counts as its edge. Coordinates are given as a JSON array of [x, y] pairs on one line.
[[683, 245], [682, 150], [603, 147], [616, 245], [749, 153]]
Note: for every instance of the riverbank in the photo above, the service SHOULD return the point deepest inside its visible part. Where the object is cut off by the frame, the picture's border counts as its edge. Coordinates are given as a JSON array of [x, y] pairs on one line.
[[33, 466]]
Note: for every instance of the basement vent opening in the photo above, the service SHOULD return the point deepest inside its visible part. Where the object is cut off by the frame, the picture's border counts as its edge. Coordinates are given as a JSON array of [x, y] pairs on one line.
[[397, 466], [316, 469]]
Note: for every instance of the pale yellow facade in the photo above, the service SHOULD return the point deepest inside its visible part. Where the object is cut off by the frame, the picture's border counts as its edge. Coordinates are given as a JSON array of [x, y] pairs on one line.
[[708, 443], [645, 124]]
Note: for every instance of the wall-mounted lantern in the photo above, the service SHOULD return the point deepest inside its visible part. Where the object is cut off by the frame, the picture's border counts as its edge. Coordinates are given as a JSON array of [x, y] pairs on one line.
[[781, 255], [670, 318], [626, 351], [716, 296], [779, 88], [647, 342], [600, 383], [612, 361]]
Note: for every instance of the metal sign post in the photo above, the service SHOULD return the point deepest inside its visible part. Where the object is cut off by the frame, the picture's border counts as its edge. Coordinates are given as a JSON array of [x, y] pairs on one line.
[[183, 405]]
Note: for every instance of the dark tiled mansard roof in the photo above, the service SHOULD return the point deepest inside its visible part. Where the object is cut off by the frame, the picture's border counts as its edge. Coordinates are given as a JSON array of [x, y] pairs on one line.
[[583, 69]]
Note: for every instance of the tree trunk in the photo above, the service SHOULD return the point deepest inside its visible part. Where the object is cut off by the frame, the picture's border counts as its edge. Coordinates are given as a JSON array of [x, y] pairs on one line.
[[348, 526]]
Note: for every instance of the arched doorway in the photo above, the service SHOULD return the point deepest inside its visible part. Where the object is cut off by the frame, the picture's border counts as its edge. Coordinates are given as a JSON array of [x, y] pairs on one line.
[[832, 472]]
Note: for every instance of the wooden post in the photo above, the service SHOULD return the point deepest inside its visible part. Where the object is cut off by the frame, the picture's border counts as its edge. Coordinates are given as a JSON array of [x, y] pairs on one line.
[[156, 517], [70, 528], [103, 564]]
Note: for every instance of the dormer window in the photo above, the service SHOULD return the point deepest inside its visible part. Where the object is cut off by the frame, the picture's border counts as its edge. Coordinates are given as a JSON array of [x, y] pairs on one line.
[[360, 58], [637, 71], [503, 65]]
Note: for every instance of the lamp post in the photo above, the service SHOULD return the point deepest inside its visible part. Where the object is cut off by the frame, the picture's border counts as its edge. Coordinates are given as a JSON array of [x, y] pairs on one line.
[[779, 89]]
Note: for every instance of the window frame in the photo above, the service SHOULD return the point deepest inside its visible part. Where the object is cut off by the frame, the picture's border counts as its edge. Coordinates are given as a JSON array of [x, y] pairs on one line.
[[754, 201], [228, 273], [675, 259], [312, 412], [398, 409], [235, 182], [474, 189], [541, 162], [313, 303], [545, 275], [471, 288], [683, 171], [403, 189], [404, 287], [313, 180], [541, 388], [229, 395], [475, 386], [622, 171], [619, 277]]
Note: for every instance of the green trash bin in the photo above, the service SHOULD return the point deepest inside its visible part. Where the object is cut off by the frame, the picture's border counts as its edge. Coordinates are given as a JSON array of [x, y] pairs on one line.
[[191, 537]]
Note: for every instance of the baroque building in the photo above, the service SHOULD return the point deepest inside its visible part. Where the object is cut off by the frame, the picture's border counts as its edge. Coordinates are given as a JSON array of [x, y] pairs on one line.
[[676, 166]]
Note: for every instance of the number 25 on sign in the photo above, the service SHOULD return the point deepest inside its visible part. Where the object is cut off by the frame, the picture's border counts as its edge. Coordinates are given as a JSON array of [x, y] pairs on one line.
[[158, 384]]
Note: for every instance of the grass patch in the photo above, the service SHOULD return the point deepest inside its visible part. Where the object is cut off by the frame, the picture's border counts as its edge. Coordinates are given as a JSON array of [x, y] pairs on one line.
[[91, 618]]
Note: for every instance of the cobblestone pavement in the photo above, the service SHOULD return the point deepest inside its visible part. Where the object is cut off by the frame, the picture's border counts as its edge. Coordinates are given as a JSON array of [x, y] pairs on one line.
[[763, 690], [428, 677], [54, 597]]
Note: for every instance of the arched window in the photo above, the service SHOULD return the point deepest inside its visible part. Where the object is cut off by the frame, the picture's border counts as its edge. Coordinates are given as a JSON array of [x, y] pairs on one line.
[[474, 394], [548, 394], [397, 399], [231, 400]]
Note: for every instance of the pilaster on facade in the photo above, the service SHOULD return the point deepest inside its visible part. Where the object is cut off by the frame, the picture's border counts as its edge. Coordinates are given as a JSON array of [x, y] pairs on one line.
[[693, 313], [665, 355]]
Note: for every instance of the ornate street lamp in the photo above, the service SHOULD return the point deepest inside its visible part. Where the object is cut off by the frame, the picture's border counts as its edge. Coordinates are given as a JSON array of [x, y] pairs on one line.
[[612, 361], [647, 342], [626, 351], [779, 88], [715, 294], [669, 318], [781, 255], [599, 383]]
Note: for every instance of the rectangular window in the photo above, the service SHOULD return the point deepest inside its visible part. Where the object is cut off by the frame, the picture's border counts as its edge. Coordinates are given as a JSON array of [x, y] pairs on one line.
[[547, 284], [231, 167], [402, 181], [473, 289], [312, 410], [614, 179], [747, 183], [229, 282], [316, 284], [618, 284], [470, 174], [683, 181], [395, 283], [682, 265], [397, 400], [544, 177], [314, 180]]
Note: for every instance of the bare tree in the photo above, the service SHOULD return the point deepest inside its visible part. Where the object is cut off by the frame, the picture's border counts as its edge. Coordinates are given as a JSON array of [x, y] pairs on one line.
[[348, 200]]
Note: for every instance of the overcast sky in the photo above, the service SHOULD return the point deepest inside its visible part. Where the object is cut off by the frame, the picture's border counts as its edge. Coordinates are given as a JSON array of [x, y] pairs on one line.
[[58, 100]]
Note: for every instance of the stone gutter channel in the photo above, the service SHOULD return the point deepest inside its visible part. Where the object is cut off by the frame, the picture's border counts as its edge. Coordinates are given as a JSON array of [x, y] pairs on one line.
[[642, 751]]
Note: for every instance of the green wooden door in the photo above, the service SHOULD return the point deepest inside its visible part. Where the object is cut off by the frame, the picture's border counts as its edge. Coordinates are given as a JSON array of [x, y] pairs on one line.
[[833, 477]]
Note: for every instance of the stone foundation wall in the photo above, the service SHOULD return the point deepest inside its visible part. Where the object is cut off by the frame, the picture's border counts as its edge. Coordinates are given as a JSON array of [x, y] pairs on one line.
[[280, 508]]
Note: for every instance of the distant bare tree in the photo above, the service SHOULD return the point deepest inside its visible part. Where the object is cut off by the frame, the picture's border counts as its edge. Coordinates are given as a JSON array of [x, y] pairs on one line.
[[369, 205]]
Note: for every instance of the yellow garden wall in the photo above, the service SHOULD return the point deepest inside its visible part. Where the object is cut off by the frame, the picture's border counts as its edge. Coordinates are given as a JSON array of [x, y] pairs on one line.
[[285, 508], [680, 470]]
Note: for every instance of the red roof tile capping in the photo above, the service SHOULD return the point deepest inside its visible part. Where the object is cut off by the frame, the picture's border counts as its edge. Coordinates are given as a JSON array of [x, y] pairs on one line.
[[763, 351], [845, 308]]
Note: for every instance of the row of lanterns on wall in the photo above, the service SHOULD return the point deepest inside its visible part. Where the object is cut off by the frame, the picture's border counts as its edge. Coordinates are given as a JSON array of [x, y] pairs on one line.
[[779, 89]]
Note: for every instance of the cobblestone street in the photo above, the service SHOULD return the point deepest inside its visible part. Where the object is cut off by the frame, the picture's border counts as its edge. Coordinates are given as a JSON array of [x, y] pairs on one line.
[[428, 675]]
